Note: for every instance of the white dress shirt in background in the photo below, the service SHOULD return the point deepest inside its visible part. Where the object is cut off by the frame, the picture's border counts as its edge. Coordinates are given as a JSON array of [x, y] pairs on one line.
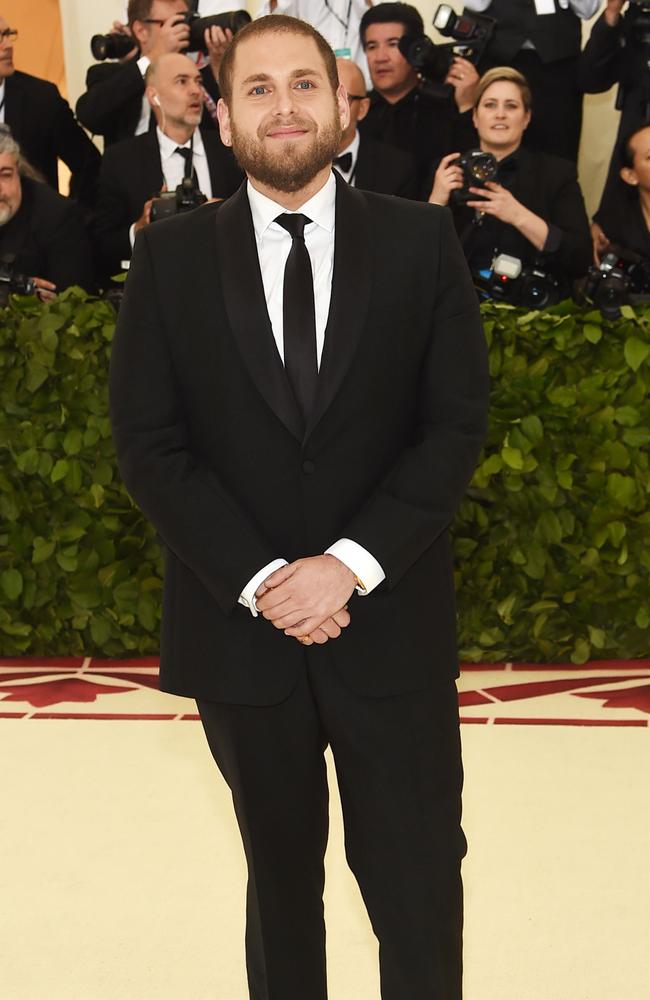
[[273, 246], [353, 149]]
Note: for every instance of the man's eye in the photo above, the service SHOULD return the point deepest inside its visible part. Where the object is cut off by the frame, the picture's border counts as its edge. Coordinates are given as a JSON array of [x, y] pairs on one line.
[[305, 85], [258, 90]]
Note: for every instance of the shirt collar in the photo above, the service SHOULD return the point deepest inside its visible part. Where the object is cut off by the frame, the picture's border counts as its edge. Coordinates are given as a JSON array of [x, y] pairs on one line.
[[168, 147], [321, 208], [352, 148]]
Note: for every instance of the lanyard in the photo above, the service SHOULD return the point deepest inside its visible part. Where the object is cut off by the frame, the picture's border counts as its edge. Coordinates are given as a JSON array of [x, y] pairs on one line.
[[345, 24]]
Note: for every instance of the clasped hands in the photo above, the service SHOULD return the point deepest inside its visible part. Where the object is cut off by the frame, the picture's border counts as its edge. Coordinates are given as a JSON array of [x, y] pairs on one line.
[[308, 598]]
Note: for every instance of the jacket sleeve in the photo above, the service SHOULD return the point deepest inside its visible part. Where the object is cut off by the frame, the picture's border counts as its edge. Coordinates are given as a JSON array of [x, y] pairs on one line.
[[184, 499], [601, 61], [68, 249], [107, 93], [76, 149], [568, 217], [112, 218], [419, 497]]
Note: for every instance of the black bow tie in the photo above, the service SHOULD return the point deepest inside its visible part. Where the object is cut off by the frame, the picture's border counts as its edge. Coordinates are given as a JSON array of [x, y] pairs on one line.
[[344, 162]]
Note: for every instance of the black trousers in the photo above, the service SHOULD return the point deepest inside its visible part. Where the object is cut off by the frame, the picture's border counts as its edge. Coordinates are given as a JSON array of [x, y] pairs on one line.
[[556, 121], [400, 776]]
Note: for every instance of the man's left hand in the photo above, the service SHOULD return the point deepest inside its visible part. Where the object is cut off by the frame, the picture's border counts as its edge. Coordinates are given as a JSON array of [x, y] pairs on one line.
[[499, 202], [45, 290], [463, 77], [217, 41], [299, 597]]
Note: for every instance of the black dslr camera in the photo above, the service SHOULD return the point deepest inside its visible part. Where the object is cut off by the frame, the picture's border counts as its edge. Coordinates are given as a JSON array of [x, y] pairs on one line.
[[12, 283], [116, 45], [478, 168], [432, 62], [623, 277], [186, 197], [507, 280]]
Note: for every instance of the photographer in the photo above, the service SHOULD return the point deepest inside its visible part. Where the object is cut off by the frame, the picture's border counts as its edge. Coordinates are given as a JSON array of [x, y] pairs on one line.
[[43, 123], [534, 208], [40, 230], [625, 220], [542, 39], [402, 113], [618, 52], [135, 170], [114, 104]]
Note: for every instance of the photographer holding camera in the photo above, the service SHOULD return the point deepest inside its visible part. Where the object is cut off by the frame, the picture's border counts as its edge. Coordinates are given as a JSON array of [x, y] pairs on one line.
[[114, 104], [618, 52], [176, 153], [403, 112], [43, 244], [533, 208], [542, 39]]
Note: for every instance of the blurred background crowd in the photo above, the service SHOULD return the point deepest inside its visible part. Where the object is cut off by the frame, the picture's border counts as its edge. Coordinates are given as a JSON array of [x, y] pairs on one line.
[[480, 111]]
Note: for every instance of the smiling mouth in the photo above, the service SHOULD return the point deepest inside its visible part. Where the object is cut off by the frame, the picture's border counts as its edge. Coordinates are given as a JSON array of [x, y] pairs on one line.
[[291, 133]]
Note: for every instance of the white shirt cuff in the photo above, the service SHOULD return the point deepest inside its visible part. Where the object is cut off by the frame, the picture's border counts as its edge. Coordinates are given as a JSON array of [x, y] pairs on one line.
[[143, 64], [247, 596], [364, 566]]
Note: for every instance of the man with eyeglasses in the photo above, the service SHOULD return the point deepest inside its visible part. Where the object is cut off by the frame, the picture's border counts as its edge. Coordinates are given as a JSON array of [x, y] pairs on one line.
[[42, 122], [362, 161], [114, 104]]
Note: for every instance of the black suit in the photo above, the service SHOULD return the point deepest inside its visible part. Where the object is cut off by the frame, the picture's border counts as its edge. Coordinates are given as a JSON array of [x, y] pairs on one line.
[[385, 169], [131, 174], [112, 103], [211, 445], [48, 238], [42, 122], [548, 186]]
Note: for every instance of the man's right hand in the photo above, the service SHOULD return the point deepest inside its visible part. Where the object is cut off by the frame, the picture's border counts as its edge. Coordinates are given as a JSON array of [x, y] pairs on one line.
[[613, 11], [145, 218], [173, 36], [330, 629]]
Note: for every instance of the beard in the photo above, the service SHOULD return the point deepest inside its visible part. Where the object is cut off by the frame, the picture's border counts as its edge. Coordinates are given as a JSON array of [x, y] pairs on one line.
[[287, 168], [6, 213]]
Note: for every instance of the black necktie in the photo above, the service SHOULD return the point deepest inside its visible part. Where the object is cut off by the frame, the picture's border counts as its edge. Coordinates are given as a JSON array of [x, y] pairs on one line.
[[344, 162], [189, 170], [299, 316]]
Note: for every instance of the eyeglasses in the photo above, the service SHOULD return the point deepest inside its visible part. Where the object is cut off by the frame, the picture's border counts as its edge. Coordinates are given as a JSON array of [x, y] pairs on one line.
[[152, 20], [8, 35], [356, 97]]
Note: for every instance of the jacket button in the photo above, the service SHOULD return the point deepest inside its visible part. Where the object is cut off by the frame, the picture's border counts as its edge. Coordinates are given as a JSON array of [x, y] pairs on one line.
[[308, 467]]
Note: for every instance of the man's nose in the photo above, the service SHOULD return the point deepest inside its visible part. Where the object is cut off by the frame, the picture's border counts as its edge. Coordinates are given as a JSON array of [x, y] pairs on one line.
[[284, 103]]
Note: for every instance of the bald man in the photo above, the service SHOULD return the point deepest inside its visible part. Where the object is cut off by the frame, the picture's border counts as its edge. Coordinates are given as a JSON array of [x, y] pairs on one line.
[[362, 161], [134, 171]]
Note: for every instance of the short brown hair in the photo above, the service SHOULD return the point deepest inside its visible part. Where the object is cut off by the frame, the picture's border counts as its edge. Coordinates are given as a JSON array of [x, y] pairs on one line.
[[510, 75], [276, 24], [138, 10]]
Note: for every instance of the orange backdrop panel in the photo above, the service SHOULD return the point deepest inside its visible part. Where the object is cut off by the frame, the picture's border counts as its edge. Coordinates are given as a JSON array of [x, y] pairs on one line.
[[39, 48]]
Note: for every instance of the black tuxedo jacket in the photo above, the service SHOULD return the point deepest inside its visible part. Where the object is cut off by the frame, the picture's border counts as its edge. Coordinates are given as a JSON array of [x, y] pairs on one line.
[[548, 186], [131, 173], [42, 122], [48, 238], [385, 169], [210, 442], [112, 102]]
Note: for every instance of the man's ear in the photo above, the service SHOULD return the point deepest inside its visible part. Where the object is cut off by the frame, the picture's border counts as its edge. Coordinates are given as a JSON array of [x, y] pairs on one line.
[[343, 106], [364, 108], [152, 97], [140, 32], [629, 175], [223, 114]]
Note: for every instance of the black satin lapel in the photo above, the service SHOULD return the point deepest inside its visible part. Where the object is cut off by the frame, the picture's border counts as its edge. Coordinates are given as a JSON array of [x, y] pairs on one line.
[[246, 308], [350, 299]]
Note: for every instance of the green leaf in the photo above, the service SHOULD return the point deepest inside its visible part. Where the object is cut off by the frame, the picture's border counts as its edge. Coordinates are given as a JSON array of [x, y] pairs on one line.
[[627, 416], [642, 619], [533, 428], [59, 471], [581, 652], [622, 489], [596, 637], [36, 374], [11, 581], [97, 493], [636, 351], [73, 441], [512, 458], [42, 550], [27, 461], [592, 332]]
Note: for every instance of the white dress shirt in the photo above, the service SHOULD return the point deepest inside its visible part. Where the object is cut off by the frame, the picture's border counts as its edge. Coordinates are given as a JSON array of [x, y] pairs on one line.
[[273, 246], [583, 8], [353, 148], [173, 165], [145, 109]]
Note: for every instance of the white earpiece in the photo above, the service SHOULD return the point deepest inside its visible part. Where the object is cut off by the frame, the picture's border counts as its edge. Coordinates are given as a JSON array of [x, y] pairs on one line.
[[156, 100]]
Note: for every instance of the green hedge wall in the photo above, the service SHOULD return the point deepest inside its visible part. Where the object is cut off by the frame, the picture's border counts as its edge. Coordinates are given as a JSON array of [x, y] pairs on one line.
[[552, 542]]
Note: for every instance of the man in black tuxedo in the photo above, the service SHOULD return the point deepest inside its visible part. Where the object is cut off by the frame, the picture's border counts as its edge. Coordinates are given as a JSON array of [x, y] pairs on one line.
[[43, 124], [40, 231], [298, 402], [114, 104], [361, 160], [133, 172]]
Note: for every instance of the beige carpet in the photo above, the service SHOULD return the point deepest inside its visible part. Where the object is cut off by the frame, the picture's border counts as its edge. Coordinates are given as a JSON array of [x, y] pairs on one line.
[[122, 877]]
